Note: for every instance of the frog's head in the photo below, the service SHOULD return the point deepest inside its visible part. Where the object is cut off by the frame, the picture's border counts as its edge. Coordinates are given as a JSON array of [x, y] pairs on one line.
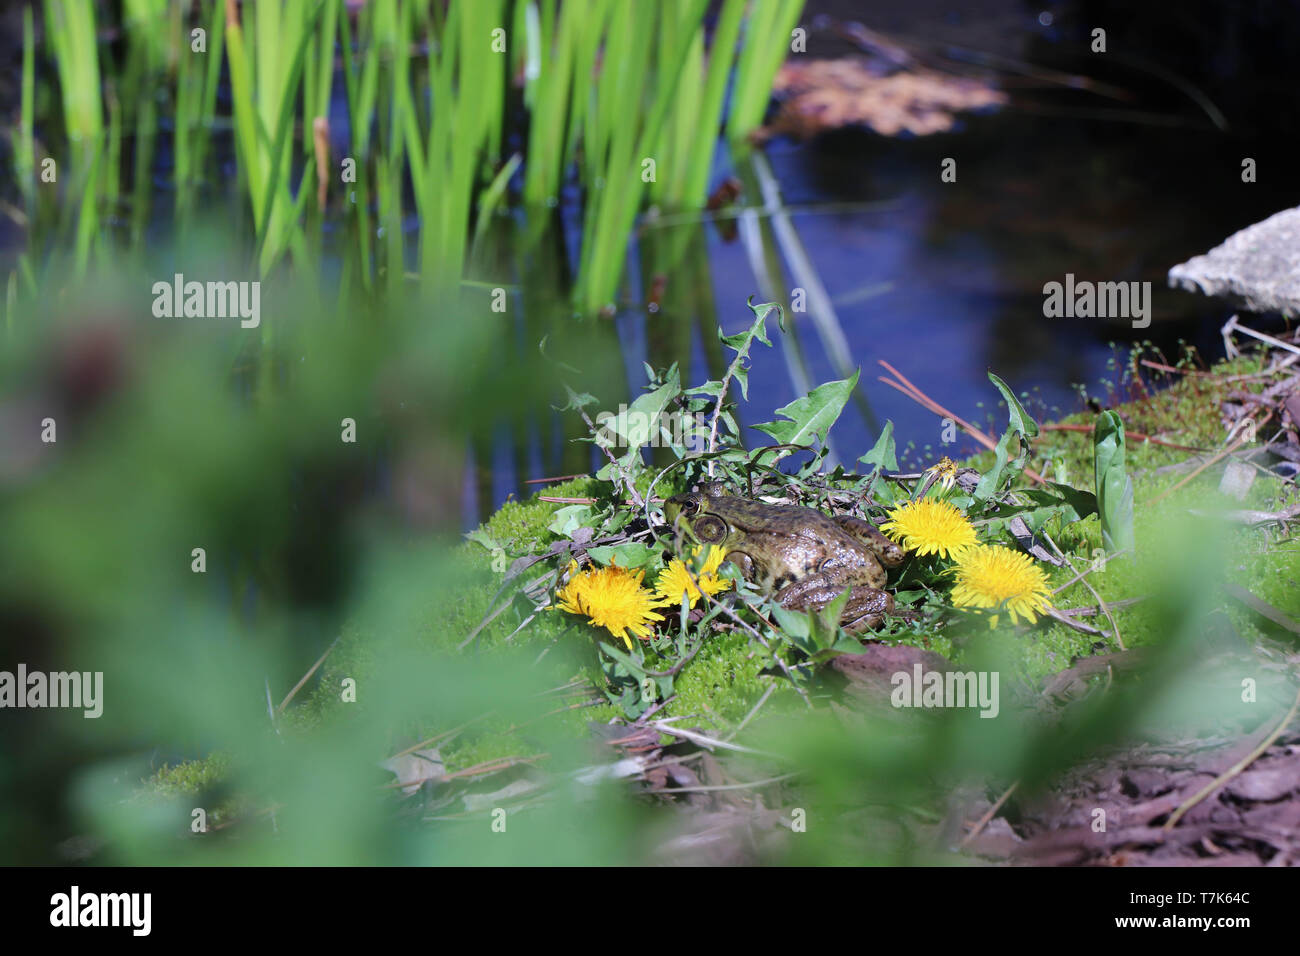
[[701, 515]]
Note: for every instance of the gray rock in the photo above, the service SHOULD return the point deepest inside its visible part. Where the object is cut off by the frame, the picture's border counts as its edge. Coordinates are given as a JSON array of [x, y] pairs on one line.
[[1258, 268]]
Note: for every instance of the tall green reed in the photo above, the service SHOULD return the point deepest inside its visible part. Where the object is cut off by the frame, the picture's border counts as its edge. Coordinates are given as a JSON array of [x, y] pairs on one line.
[[766, 43], [25, 141], [623, 100], [267, 56], [71, 31], [197, 83]]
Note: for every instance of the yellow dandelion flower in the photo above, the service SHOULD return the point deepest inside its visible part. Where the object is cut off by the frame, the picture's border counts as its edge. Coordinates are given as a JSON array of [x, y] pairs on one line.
[[674, 580], [930, 527], [991, 576], [612, 598]]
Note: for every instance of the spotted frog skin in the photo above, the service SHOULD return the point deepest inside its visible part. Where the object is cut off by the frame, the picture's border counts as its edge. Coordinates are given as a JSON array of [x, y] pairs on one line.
[[803, 558]]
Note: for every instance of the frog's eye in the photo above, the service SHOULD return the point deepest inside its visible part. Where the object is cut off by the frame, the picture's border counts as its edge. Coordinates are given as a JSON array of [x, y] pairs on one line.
[[710, 530], [690, 504]]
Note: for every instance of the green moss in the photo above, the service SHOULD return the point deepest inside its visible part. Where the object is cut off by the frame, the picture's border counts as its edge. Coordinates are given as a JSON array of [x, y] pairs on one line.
[[206, 779], [577, 720], [190, 777], [938, 643], [722, 683], [521, 527], [497, 738], [353, 656], [488, 743]]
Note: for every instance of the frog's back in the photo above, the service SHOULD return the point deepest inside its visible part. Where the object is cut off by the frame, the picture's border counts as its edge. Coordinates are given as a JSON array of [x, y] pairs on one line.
[[794, 520]]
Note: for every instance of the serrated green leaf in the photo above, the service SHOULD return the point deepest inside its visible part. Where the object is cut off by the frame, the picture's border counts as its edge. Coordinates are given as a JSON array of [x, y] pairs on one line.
[[641, 423], [812, 416], [741, 342], [1020, 428], [1020, 420], [882, 454], [480, 536], [795, 624], [629, 464], [578, 400], [826, 629], [992, 479], [568, 519], [632, 554]]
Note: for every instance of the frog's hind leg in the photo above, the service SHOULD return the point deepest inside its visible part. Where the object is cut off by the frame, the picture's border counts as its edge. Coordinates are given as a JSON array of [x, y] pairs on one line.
[[866, 608], [889, 553]]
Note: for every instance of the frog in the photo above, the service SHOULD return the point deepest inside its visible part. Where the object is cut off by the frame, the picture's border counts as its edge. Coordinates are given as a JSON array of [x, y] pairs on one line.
[[801, 557]]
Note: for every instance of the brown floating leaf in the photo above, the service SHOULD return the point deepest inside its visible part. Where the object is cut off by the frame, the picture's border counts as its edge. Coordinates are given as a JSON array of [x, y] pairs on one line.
[[827, 94]]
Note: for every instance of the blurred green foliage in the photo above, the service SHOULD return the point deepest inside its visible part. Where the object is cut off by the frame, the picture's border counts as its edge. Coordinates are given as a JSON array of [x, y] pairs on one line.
[[162, 447]]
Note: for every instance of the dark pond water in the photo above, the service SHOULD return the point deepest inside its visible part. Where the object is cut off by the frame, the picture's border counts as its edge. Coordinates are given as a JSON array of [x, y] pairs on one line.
[[945, 280]]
